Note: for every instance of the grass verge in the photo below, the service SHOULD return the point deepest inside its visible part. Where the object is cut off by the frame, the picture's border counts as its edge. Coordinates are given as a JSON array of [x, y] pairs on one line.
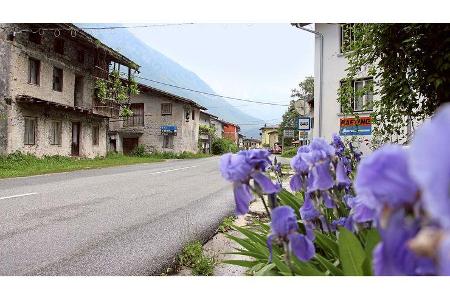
[[193, 257], [18, 165]]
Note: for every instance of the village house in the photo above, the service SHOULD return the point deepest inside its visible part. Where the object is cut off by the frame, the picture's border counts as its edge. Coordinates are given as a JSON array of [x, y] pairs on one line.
[[269, 136], [251, 143], [205, 138], [47, 90], [218, 125], [231, 132], [161, 122], [330, 66]]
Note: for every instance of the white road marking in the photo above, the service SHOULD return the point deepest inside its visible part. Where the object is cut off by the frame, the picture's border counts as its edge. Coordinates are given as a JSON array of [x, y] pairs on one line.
[[17, 196], [172, 170]]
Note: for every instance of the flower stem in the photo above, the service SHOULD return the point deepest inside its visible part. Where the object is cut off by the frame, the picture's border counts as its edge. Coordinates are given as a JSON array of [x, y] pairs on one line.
[[265, 205]]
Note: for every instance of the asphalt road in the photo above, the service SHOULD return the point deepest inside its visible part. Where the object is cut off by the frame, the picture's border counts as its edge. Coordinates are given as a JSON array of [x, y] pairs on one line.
[[130, 220]]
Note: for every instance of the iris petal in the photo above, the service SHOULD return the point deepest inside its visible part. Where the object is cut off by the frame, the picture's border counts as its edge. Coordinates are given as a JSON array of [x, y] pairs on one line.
[[242, 197], [301, 246], [265, 183]]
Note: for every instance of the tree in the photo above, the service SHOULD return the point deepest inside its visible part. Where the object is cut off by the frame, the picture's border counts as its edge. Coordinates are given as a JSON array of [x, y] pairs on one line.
[[304, 91], [410, 64]]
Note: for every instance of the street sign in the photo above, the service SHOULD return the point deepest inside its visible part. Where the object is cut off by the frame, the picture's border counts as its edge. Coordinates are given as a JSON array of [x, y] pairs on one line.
[[303, 135], [304, 123], [169, 129], [353, 126], [289, 133]]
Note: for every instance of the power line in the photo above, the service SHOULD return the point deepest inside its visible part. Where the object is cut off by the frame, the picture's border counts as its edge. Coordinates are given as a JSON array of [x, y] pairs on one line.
[[134, 26], [211, 94]]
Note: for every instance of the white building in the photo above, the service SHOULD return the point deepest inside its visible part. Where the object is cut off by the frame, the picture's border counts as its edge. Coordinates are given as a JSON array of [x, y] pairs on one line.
[[329, 69]]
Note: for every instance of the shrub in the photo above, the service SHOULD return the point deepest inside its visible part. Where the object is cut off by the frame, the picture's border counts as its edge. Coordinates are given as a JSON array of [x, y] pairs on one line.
[[221, 146], [289, 152], [139, 151]]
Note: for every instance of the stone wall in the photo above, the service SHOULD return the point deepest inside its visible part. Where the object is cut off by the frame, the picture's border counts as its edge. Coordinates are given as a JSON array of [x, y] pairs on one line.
[[5, 54]]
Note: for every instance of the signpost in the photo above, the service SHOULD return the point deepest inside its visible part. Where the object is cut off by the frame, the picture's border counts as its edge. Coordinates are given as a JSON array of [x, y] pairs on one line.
[[289, 133], [304, 123]]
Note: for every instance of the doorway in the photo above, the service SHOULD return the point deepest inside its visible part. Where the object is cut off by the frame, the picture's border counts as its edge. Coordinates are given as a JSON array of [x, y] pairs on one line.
[[76, 126], [130, 144]]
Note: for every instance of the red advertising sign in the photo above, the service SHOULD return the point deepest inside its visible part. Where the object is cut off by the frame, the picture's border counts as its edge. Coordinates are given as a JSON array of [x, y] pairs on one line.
[[349, 122]]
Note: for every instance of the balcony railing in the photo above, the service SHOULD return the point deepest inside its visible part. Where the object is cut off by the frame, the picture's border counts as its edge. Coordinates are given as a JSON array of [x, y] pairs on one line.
[[134, 121]]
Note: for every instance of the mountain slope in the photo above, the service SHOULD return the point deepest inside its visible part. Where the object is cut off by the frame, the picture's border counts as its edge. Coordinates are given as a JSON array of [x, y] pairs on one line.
[[156, 66]]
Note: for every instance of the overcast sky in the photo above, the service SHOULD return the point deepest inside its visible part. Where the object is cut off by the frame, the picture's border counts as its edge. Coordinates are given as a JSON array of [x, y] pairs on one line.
[[252, 61]]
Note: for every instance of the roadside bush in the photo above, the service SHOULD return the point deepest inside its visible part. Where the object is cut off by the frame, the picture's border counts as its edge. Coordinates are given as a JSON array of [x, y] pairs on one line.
[[139, 151], [221, 146], [291, 152]]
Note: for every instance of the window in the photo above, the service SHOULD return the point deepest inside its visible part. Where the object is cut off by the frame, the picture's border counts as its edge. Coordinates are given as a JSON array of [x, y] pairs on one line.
[[95, 134], [80, 56], [347, 36], [57, 79], [362, 94], [35, 37], [78, 91], [168, 142], [193, 115], [34, 71], [55, 133], [30, 131], [166, 109], [58, 46], [137, 119]]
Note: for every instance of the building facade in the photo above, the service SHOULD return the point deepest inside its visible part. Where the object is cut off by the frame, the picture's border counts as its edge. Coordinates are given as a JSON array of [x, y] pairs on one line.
[[47, 82], [207, 120], [251, 143], [329, 117], [231, 132], [269, 136], [218, 126], [161, 122]]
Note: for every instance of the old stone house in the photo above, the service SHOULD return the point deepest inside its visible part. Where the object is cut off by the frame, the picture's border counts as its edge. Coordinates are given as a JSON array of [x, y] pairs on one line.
[[161, 122], [47, 81], [251, 143], [269, 136]]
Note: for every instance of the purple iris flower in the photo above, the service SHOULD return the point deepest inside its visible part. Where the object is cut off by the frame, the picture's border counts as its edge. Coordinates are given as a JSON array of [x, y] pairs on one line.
[[240, 168], [341, 174], [284, 228], [357, 154], [329, 203], [301, 167], [430, 165], [319, 158], [383, 179], [343, 222], [392, 255], [308, 212], [338, 145], [359, 211]]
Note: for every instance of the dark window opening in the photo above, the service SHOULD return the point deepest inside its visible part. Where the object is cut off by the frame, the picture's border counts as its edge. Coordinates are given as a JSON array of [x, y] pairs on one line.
[[55, 133], [30, 131], [57, 79], [95, 134], [34, 71], [35, 37], [193, 114], [78, 91], [168, 142], [58, 46], [166, 109], [80, 56], [137, 119]]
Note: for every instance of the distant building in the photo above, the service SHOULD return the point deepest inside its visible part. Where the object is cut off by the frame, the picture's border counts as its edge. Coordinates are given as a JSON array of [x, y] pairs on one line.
[[269, 136], [231, 132], [251, 143], [205, 138], [218, 125], [47, 81], [161, 122]]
